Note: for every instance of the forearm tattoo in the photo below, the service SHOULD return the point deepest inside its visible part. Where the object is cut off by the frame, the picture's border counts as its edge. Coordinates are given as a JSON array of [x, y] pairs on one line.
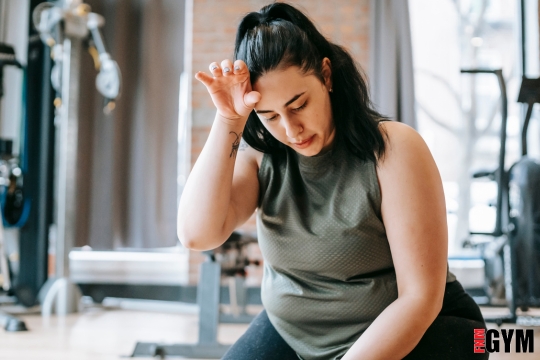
[[235, 144]]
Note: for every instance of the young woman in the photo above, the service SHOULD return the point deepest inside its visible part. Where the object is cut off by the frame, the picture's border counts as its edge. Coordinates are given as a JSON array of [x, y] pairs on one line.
[[351, 217]]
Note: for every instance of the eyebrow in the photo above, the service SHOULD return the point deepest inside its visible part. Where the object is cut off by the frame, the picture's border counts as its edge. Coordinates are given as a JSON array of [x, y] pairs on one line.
[[294, 98]]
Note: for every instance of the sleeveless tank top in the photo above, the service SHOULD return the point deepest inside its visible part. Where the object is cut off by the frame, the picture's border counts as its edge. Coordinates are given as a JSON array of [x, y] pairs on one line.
[[328, 270]]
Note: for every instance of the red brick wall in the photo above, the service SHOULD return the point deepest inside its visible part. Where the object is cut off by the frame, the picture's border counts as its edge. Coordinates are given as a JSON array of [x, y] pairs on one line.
[[345, 22]]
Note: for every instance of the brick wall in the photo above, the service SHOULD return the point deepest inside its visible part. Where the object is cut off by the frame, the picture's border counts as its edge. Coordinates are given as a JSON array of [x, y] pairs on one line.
[[345, 22]]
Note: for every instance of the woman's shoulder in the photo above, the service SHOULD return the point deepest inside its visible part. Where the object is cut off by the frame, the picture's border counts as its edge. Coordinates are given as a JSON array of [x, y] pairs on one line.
[[396, 129], [402, 142], [406, 156]]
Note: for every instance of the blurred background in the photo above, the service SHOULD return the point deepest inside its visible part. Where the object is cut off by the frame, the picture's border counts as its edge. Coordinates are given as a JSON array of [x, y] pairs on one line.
[[101, 121]]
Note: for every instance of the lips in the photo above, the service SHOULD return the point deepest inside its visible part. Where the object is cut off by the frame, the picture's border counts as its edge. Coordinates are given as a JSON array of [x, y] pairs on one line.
[[304, 143]]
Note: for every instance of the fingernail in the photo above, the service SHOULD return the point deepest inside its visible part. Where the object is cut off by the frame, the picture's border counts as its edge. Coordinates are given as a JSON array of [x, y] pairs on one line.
[[237, 68], [214, 67], [226, 69]]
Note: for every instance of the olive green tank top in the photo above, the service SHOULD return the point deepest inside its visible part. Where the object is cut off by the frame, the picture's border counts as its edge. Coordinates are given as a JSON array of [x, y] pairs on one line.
[[328, 269]]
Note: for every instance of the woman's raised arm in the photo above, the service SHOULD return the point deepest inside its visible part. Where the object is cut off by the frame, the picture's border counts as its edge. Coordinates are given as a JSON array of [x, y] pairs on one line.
[[207, 214]]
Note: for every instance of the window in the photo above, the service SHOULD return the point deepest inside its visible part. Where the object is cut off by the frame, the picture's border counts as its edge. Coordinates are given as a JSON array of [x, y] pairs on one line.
[[459, 115]]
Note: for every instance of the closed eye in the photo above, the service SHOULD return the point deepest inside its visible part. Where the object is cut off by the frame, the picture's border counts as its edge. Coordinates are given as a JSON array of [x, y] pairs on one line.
[[300, 107], [295, 110]]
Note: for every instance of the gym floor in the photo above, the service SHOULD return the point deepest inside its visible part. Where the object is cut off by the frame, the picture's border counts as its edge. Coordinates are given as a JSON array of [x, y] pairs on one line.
[[106, 334]]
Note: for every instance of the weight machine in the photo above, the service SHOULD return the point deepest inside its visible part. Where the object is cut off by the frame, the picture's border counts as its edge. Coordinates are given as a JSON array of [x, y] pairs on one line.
[[65, 26], [11, 179], [515, 239], [229, 260]]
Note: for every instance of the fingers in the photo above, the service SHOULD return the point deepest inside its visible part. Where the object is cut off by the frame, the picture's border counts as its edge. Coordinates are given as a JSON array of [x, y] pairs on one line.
[[240, 67], [251, 99], [204, 78], [215, 69], [224, 69], [227, 67]]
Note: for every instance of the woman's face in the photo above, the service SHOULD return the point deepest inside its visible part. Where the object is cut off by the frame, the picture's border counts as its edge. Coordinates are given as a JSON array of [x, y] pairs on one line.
[[296, 108]]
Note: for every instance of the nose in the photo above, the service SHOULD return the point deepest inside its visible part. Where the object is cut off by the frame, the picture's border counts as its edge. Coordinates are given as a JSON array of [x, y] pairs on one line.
[[292, 127]]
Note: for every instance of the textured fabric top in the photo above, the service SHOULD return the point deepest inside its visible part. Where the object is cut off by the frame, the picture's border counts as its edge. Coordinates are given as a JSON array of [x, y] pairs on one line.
[[328, 269]]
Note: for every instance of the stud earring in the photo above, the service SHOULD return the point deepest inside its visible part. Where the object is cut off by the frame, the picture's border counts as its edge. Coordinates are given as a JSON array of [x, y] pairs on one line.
[[331, 90]]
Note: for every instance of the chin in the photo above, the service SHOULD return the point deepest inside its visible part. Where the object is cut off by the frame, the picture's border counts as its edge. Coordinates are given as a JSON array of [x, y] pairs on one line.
[[311, 151]]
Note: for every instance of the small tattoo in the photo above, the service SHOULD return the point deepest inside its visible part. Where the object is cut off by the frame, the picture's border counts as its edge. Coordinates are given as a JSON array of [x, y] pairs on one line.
[[243, 145], [235, 144]]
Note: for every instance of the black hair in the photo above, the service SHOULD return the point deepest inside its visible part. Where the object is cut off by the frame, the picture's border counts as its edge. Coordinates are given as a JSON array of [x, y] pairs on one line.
[[279, 36]]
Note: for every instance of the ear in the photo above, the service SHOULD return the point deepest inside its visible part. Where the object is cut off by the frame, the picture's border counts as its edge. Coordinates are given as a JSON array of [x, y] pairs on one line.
[[326, 71]]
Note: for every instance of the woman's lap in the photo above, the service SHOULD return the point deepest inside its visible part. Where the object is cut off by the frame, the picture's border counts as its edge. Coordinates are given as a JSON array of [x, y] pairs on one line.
[[450, 336], [261, 341]]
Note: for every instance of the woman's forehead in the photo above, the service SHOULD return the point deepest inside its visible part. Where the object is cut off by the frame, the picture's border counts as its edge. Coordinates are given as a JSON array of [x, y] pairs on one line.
[[278, 86]]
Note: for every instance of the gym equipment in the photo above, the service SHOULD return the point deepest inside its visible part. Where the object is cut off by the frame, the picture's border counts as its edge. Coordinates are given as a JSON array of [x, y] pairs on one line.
[[524, 217], [7, 57], [77, 22], [160, 274], [12, 197], [230, 260], [498, 176], [512, 258], [11, 189], [491, 244], [63, 26], [233, 260], [12, 324], [6, 181], [38, 167]]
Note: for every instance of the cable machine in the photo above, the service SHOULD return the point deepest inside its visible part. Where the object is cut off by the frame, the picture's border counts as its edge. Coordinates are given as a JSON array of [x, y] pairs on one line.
[[64, 26]]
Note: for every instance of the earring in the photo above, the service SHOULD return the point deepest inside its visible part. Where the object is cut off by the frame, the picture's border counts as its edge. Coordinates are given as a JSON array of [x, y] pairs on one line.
[[330, 90]]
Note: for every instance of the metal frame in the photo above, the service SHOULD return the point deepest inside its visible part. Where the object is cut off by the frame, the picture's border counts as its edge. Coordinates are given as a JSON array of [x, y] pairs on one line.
[[63, 26], [501, 176], [208, 298]]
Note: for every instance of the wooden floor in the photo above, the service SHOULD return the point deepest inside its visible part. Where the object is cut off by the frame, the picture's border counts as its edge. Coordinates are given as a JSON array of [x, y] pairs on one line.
[[107, 334]]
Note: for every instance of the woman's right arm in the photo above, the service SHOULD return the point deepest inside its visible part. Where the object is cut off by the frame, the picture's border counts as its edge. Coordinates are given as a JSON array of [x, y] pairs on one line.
[[221, 190]]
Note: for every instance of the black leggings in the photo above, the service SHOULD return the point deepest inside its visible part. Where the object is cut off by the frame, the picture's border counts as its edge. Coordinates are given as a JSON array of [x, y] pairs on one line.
[[450, 336]]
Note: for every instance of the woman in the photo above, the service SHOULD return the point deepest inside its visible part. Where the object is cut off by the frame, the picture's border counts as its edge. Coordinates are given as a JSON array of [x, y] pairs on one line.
[[351, 217]]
